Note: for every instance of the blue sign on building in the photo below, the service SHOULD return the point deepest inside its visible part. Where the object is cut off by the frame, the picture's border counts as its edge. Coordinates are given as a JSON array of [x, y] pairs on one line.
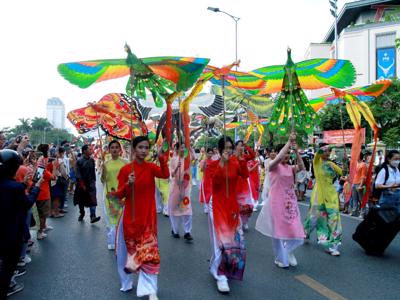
[[385, 63]]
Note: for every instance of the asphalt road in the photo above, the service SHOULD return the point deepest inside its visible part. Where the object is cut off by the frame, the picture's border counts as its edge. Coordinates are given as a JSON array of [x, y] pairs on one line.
[[74, 263]]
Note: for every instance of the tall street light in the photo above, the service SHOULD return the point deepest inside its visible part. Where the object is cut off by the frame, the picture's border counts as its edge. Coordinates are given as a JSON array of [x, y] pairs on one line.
[[333, 10], [236, 19]]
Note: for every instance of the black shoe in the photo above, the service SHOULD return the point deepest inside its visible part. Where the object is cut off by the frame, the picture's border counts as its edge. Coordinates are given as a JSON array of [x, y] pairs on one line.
[[175, 235], [188, 236], [80, 219], [19, 272], [94, 219], [15, 289]]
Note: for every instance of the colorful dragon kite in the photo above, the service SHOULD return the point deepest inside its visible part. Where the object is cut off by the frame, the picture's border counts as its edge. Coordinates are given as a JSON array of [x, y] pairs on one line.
[[292, 108]]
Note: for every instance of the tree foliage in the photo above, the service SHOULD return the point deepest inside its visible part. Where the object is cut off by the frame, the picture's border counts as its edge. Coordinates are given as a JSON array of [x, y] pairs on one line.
[[386, 110], [330, 118], [39, 131]]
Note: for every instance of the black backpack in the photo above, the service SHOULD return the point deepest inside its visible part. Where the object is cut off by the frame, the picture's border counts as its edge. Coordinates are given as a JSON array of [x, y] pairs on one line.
[[376, 193]]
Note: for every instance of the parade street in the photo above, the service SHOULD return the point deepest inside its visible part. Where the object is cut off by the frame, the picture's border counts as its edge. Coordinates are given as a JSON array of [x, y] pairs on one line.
[[74, 263]]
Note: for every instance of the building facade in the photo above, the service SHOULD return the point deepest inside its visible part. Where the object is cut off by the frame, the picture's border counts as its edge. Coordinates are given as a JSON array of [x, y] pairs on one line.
[[55, 112], [367, 33]]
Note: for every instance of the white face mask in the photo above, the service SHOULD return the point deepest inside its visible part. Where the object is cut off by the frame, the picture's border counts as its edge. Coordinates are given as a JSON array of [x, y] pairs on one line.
[[395, 163]]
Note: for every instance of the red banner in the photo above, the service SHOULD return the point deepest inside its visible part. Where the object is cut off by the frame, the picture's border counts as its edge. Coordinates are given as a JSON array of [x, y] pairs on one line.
[[336, 136]]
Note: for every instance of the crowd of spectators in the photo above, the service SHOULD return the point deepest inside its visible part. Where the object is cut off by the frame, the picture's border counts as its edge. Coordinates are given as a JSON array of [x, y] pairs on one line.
[[34, 185]]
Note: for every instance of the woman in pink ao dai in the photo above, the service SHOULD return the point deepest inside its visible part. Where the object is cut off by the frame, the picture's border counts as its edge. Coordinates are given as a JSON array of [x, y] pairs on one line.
[[280, 215]]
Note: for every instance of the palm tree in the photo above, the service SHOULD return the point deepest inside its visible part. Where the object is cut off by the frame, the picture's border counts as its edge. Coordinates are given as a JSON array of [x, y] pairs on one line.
[[40, 124], [23, 127]]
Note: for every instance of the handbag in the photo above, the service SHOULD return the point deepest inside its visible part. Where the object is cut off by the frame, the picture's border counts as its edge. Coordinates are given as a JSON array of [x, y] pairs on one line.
[[233, 259], [62, 181], [233, 262]]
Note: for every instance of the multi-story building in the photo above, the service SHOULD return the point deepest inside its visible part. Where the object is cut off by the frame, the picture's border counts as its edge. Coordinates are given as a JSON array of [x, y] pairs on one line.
[[56, 112], [367, 33]]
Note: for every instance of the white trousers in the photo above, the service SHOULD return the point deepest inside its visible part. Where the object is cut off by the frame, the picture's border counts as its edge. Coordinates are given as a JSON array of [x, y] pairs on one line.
[[177, 220], [282, 248], [147, 283], [160, 206], [216, 253], [111, 230]]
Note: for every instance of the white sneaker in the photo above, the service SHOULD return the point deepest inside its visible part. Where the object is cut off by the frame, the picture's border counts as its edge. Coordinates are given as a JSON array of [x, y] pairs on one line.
[[292, 260], [27, 259], [255, 208], [333, 251], [223, 286], [111, 247], [165, 211], [279, 264], [48, 228], [41, 235], [21, 263], [153, 297], [246, 227]]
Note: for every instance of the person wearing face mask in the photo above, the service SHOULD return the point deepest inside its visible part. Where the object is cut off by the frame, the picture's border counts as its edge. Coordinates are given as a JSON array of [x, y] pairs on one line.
[[323, 214], [388, 180], [280, 216]]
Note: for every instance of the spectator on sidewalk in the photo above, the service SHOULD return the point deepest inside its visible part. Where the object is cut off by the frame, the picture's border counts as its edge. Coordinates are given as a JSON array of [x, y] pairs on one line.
[[43, 200], [2, 140], [358, 186], [14, 204]]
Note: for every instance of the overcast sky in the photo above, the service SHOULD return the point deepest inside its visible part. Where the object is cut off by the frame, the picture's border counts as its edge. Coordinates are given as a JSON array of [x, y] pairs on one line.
[[38, 35]]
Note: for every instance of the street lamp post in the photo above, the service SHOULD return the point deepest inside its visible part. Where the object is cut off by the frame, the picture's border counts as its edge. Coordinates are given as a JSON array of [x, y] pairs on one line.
[[44, 134], [236, 19], [333, 10]]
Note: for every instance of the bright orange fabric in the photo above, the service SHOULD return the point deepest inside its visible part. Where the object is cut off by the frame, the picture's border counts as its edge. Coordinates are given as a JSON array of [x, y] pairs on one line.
[[44, 193], [361, 173]]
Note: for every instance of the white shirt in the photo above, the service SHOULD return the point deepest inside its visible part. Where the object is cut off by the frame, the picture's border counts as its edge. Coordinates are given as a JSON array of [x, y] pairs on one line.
[[66, 163], [394, 176]]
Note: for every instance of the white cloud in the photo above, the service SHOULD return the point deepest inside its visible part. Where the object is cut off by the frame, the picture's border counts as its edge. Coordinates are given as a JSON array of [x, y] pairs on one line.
[[38, 35]]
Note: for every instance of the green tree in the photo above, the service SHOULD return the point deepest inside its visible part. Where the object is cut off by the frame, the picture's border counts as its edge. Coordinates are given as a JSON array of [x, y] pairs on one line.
[[392, 137], [330, 118], [40, 124], [386, 109], [23, 127]]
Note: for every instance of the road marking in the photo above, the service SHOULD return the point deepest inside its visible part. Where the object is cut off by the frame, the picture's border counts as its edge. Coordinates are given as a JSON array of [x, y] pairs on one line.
[[318, 287]]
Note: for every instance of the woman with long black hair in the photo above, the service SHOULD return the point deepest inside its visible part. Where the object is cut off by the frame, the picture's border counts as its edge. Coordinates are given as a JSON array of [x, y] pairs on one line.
[[228, 251], [137, 243]]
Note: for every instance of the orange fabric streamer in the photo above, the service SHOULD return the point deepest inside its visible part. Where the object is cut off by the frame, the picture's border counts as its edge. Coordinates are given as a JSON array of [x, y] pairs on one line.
[[356, 109]]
